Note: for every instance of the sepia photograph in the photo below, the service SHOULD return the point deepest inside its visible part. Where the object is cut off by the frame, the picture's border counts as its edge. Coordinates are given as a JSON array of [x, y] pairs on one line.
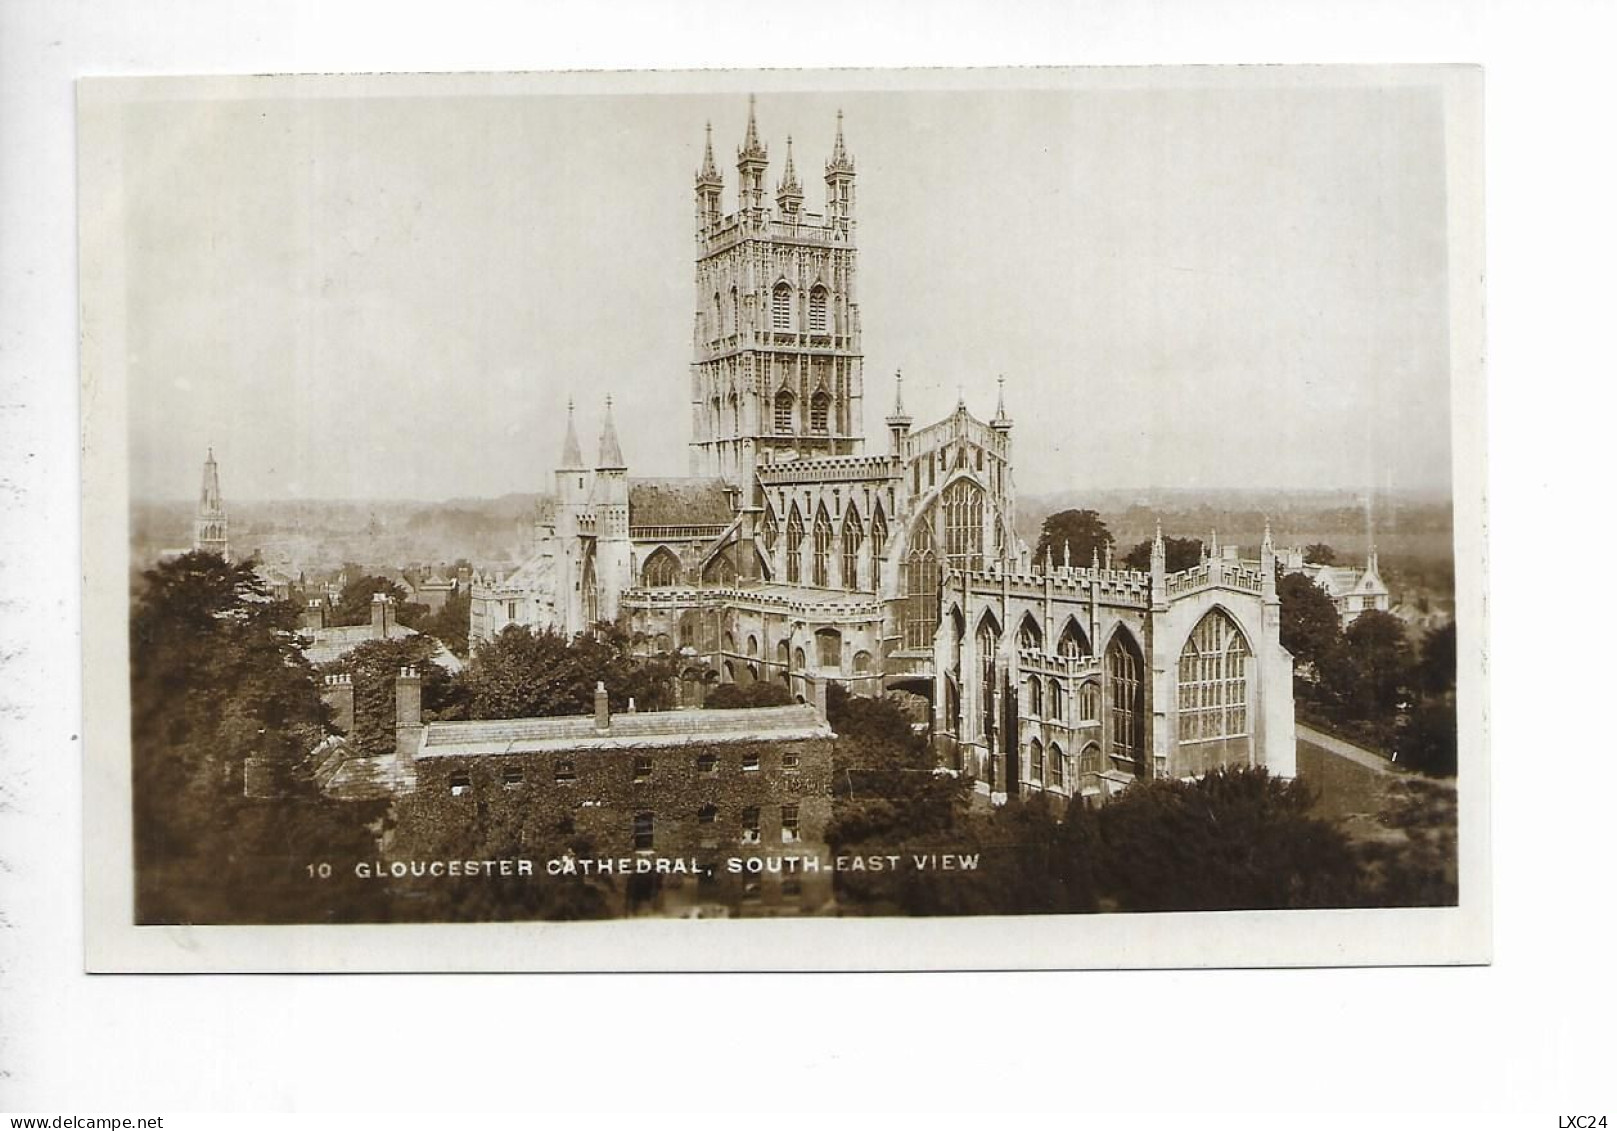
[[1043, 504]]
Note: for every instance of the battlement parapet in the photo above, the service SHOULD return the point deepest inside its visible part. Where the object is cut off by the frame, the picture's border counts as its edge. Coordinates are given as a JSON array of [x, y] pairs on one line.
[[828, 469]]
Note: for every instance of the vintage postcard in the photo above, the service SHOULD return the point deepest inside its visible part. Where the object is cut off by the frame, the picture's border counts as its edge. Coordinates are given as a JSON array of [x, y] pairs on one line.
[[784, 520]]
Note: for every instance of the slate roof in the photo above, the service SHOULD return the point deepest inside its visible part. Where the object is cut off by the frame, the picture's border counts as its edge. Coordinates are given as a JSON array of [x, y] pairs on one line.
[[678, 502], [333, 643], [643, 729]]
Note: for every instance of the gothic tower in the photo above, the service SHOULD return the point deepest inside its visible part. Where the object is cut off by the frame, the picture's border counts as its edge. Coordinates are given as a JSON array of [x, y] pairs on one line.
[[212, 523], [611, 573], [778, 369]]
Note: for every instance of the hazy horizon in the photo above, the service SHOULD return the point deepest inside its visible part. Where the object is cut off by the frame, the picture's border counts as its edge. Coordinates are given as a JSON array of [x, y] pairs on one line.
[[394, 298]]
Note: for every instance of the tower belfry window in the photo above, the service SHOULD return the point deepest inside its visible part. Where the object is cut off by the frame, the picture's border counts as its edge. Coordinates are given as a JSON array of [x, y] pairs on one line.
[[783, 412], [780, 308], [817, 311], [820, 412]]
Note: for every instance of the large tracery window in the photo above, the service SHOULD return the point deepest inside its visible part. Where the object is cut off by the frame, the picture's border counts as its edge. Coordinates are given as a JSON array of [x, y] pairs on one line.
[[921, 589], [662, 569], [852, 538], [822, 549], [794, 546], [963, 524], [1212, 681], [780, 308], [817, 311], [1088, 702], [878, 548], [1127, 697], [784, 402]]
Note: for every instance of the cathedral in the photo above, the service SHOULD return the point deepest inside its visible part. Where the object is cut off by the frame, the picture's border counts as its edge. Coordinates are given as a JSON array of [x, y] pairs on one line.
[[794, 555]]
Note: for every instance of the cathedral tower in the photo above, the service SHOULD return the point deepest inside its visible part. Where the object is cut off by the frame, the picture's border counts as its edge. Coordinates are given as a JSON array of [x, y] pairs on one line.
[[212, 523], [778, 369]]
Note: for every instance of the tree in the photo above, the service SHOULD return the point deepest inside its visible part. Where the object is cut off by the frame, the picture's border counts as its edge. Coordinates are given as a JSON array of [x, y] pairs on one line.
[[525, 674], [1319, 553], [1429, 741], [1435, 671], [451, 624], [354, 604], [1080, 530], [1180, 553], [1235, 839], [1371, 682], [216, 679], [1309, 626]]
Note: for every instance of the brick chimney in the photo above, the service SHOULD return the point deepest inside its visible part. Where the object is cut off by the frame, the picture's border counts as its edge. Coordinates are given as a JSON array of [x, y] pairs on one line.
[[603, 712], [339, 696], [407, 729], [314, 615], [381, 615]]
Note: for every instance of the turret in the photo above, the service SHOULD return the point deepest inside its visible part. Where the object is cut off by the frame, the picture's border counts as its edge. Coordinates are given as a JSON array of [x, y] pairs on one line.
[[751, 161], [709, 186], [611, 499], [839, 176], [571, 474], [899, 421], [1159, 570], [789, 193]]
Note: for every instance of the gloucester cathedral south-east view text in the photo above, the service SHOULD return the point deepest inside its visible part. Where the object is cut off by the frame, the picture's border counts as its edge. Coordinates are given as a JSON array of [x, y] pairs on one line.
[[794, 554]]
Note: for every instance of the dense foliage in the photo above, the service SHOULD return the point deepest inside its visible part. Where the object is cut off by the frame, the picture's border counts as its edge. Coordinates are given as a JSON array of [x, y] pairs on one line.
[[524, 673], [1178, 553], [1080, 534], [216, 679]]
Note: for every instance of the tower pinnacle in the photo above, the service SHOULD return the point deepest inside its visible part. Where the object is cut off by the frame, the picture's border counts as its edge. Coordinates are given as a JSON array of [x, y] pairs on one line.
[[789, 193], [709, 172], [840, 161], [572, 459], [610, 457]]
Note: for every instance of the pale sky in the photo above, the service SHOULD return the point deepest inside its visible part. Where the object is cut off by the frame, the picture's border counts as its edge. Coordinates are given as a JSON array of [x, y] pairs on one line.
[[394, 297]]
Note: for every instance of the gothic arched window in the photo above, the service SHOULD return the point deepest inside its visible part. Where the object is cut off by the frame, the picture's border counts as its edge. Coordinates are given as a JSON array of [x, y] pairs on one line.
[[820, 412], [878, 547], [768, 532], [735, 311], [1028, 634], [780, 308], [921, 592], [1058, 702], [852, 538], [987, 666], [1126, 693], [1073, 642], [963, 524], [589, 591], [735, 415], [822, 549], [818, 301], [718, 316], [1088, 702], [1212, 680], [662, 569], [1035, 696], [1035, 751], [794, 546], [1058, 766], [783, 412]]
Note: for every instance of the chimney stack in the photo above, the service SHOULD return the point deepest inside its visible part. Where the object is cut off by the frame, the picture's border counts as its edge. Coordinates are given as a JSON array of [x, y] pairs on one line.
[[339, 696], [817, 693], [603, 712], [381, 615], [408, 728], [314, 615]]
